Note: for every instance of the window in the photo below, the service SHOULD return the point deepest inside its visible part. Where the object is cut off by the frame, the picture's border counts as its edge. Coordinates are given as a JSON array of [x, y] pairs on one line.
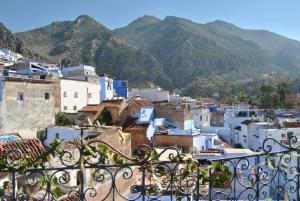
[[20, 96], [47, 96], [74, 107], [57, 135], [65, 107], [200, 117], [90, 95], [65, 94], [76, 95]]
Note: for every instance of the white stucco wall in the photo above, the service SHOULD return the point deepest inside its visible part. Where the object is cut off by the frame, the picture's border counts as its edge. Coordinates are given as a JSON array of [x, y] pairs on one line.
[[201, 117], [83, 89]]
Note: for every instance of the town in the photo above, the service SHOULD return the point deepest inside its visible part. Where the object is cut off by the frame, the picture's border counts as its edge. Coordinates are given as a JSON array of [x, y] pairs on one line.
[[43, 104]]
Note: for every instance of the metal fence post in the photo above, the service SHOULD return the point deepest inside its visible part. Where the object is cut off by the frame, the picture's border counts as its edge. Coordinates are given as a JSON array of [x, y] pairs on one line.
[[298, 172], [14, 186], [257, 177], [209, 185], [198, 182], [143, 183]]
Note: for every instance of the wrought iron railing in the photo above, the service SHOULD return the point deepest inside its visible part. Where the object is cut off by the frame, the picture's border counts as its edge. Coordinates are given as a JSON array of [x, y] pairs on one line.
[[93, 170]]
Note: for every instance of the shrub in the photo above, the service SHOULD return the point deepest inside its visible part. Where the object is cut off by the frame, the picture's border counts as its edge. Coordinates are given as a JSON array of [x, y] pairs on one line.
[[61, 119]]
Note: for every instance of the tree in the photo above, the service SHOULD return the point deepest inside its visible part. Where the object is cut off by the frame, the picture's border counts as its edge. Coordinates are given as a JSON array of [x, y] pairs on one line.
[[105, 117], [282, 90], [61, 119]]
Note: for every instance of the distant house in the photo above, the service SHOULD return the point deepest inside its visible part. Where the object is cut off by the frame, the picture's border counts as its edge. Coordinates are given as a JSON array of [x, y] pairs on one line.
[[26, 105], [72, 94], [8, 55], [116, 108], [152, 94], [177, 113], [135, 106], [188, 140], [31, 68], [106, 88], [121, 88], [81, 71], [78, 87]]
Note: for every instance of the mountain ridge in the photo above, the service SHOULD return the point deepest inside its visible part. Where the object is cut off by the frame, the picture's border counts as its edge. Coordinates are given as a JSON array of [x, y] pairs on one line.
[[172, 52]]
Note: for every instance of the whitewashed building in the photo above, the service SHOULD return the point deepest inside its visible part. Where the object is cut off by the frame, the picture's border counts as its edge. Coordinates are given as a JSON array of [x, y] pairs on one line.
[[200, 116], [74, 94], [152, 94]]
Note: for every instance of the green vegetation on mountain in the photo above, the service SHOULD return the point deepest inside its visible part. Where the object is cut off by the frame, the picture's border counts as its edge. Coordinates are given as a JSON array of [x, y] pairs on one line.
[[86, 41], [175, 53], [8, 40]]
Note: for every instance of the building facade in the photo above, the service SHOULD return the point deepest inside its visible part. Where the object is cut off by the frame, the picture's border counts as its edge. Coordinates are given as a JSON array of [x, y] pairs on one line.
[[152, 94], [106, 88], [73, 94], [121, 88], [26, 105]]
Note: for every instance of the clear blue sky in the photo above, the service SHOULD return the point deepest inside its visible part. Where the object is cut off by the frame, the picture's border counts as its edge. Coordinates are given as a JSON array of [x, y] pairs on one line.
[[280, 16]]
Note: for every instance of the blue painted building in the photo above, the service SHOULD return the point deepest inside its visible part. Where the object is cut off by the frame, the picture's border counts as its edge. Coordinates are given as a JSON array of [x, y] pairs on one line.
[[121, 87], [106, 88]]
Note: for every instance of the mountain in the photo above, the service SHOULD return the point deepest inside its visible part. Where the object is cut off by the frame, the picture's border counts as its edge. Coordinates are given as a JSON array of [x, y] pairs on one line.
[[15, 44], [213, 57], [84, 40], [175, 53], [283, 51]]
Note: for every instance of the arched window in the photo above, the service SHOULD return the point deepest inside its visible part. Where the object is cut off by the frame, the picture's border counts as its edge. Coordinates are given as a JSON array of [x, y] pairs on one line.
[[76, 95], [74, 107], [65, 94]]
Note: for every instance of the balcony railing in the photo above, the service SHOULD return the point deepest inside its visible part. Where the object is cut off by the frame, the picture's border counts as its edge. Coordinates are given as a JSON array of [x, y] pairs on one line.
[[93, 170]]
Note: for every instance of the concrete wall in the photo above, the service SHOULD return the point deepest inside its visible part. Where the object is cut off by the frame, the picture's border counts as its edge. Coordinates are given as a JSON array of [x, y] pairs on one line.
[[31, 114]]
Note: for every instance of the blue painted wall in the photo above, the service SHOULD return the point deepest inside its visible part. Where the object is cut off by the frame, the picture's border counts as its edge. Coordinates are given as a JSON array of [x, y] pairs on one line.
[[121, 87], [106, 88]]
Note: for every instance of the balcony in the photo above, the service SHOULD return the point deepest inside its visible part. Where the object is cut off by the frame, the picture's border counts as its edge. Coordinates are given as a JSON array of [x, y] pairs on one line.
[[94, 170]]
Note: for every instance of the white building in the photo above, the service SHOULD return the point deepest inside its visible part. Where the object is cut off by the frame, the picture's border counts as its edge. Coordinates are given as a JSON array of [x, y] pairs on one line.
[[178, 98], [235, 115], [152, 94], [80, 71], [10, 56], [106, 87], [200, 116], [74, 94]]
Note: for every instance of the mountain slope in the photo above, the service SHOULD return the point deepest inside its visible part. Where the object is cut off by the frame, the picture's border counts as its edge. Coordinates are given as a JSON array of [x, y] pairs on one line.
[[175, 53], [84, 40], [15, 44], [283, 51], [194, 50]]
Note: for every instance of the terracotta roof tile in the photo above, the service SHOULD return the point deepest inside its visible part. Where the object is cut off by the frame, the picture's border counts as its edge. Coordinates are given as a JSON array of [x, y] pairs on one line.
[[31, 147]]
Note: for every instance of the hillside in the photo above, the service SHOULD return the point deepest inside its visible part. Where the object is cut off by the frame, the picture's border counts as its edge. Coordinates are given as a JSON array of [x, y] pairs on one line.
[[175, 53], [84, 40], [8, 40]]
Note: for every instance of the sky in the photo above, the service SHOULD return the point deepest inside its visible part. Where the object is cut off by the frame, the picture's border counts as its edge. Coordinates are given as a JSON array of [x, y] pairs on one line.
[[279, 16]]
